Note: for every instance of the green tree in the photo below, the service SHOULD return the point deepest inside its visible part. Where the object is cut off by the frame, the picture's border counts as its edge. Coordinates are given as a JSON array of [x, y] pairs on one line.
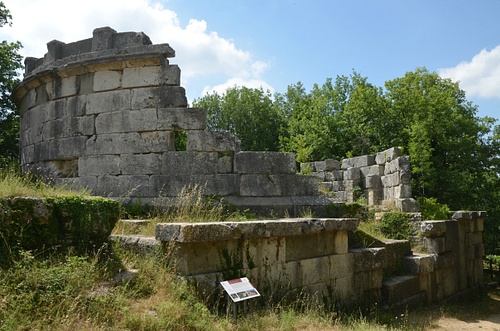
[[250, 114], [10, 63], [442, 134]]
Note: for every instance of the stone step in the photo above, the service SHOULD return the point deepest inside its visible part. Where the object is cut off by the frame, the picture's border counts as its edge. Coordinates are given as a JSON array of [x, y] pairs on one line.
[[136, 243], [134, 222], [400, 288], [419, 263]]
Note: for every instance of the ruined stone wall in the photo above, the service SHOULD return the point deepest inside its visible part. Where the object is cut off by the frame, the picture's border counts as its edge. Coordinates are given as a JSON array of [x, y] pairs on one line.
[[294, 257], [383, 179], [104, 113]]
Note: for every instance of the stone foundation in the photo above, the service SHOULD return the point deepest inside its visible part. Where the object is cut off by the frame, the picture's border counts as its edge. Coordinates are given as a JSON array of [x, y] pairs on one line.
[[292, 257]]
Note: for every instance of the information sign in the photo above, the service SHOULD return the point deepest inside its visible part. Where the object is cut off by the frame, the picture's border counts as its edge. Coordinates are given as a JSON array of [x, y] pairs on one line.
[[240, 289]]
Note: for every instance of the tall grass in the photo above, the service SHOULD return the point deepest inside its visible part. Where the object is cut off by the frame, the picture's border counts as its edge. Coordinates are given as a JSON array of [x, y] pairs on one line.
[[13, 183]]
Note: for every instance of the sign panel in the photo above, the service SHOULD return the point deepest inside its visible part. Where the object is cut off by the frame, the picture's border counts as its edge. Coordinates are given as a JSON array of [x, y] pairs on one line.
[[240, 289]]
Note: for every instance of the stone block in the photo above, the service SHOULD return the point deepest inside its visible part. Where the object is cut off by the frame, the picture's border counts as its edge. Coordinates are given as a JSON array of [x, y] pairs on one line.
[[37, 115], [65, 87], [372, 182], [109, 101], [435, 245], [320, 176], [370, 279], [184, 163], [126, 121], [368, 259], [158, 97], [66, 147], [362, 161], [182, 119], [77, 183], [264, 163], [327, 165], [99, 165], [140, 164], [130, 143], [388, 193], [402, 191], [374, 196], [308, 246], [123, 186], [334, 175], [338, 186], [352, 174], [225, 163], [404, 177], [398, 288], [67, 107], [408, 205], [388, 155], [212, 141], [433, 228], [107, 80], [477, 225], [42, 151], [419, 264], [374, 170], [68, 127], [151, 76], [340, 243], [277, 185], [445, 261], [220, 184]]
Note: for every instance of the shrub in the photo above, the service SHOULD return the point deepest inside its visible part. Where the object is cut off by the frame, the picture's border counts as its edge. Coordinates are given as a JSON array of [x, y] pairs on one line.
[[432, 210], [396, 225]]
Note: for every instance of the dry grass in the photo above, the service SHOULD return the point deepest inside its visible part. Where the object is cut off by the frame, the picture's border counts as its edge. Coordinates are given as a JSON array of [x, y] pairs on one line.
[[15, 184]]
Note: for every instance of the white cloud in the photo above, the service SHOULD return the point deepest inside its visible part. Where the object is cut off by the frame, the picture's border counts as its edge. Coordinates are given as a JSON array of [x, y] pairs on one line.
[[251, 83], [480, 77], [205, 58]]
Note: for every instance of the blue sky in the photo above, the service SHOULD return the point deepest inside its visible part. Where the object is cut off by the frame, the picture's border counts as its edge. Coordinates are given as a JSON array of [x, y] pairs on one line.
[[275, 43]]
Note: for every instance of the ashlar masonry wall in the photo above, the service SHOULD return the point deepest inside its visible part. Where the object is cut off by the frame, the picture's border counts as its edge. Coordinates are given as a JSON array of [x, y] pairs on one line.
[[314, 257], [383, 179], [103, 113]]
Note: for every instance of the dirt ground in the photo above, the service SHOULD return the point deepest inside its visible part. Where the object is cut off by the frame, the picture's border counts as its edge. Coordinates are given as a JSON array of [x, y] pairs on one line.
[[483, 315]]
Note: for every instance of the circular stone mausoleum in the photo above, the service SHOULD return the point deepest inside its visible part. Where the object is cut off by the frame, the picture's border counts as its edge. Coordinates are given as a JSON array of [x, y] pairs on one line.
[[104, 112]]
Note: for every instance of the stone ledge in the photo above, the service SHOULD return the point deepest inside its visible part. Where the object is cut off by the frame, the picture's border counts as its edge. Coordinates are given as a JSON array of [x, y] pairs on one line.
[[217, 231]]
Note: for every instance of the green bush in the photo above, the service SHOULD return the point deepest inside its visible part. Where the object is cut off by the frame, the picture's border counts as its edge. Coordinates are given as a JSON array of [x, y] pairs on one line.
[[40, 223], [432, 210], [396, 225]]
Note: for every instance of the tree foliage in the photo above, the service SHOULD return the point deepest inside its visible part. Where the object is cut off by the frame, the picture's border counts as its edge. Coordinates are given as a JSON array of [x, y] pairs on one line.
[[454, 154], [248, 113], [10, 63]]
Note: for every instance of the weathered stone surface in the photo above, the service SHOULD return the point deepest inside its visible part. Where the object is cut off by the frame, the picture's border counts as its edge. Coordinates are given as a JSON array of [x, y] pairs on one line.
[[122, 186], [182, 119], [64, 148], [407, 205], [108, 101], [275, 185], [372, 182], [374, 170], [172, 185], [183, 163], [158, 97], [402, 191], [216, 141], [334, 175], [99, 165], [196, 232], [388, 155], [352, 174], [151, 76], [126, 121], [107, 80], [264, 163], [140, 164], [368, 258], [419, 263], [433, 228], [130, 143]]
